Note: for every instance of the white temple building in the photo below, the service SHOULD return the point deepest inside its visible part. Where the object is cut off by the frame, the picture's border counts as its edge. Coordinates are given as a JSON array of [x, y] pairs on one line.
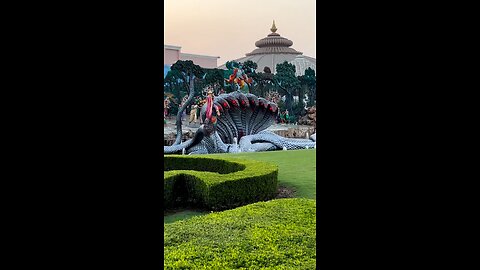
[[275, 49]]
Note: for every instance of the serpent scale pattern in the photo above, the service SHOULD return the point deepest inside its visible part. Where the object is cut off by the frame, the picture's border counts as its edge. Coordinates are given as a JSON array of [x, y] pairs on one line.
[[244, 117]]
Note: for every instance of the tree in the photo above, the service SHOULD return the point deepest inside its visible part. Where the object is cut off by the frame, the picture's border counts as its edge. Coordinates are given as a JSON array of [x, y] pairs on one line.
[[308, 88], [249, 67], [287, 82], [262, 81], [187, 71], [309, 83], [174, 85], [214, 78], [262, 84]]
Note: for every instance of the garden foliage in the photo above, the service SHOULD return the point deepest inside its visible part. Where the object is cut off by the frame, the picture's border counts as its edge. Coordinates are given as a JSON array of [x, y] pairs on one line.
[[277, 234], [218, 183]]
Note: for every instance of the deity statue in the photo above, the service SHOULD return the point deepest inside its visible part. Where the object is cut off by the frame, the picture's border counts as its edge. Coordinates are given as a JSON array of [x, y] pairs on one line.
[[237, 122], [166, 106], [239, 78]]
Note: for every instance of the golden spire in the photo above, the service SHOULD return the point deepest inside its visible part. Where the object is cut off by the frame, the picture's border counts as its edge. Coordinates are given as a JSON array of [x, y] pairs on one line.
[[273, 29]]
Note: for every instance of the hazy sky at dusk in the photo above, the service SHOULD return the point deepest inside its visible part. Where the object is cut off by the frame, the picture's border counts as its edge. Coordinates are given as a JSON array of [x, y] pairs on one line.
[[229, 29]]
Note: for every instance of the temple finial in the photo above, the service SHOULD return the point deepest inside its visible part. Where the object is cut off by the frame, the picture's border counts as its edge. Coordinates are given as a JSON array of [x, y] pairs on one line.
[[273, 29]]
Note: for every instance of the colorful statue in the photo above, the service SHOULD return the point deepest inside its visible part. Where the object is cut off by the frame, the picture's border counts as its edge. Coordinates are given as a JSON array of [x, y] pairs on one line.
[[166, 106], [212, 110], [193, 114], [237, 122], [273, 96], [239, 77]]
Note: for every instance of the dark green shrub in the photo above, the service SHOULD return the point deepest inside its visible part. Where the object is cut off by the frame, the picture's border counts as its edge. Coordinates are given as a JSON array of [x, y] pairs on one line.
[[201, 163], [277, 234], [219, 183]]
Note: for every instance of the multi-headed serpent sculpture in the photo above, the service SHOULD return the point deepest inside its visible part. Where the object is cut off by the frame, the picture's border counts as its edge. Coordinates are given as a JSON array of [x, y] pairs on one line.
[[236, 115]]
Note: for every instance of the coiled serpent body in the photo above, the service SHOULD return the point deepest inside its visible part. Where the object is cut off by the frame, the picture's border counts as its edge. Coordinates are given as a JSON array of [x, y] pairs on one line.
[[238, 117]]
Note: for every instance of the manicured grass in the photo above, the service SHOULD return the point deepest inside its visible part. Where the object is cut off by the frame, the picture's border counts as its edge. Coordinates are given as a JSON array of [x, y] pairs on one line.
[[277, 234], [296, 168]]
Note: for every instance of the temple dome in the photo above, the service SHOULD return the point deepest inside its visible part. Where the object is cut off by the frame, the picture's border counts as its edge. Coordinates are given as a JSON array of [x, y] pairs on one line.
[[275, 49], [273, 43]]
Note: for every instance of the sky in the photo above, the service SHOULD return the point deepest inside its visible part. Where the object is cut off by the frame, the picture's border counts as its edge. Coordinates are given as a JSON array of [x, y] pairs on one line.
[[229, 29]]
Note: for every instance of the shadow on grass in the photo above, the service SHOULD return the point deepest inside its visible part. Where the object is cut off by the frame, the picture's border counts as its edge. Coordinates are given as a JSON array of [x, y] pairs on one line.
[[187, 211], [182, 214]]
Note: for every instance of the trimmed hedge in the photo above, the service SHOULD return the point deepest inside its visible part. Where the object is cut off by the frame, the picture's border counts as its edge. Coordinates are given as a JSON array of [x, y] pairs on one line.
[[277, 234], [201, 163], [218, 182]]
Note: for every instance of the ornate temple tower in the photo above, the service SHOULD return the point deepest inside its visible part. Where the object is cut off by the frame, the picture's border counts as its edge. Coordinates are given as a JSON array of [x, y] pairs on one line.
[[275, 49], [273, 44]]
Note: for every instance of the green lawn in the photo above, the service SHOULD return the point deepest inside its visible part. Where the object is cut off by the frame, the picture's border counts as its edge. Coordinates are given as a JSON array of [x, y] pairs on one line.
[[297, 170], [277, 234]]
